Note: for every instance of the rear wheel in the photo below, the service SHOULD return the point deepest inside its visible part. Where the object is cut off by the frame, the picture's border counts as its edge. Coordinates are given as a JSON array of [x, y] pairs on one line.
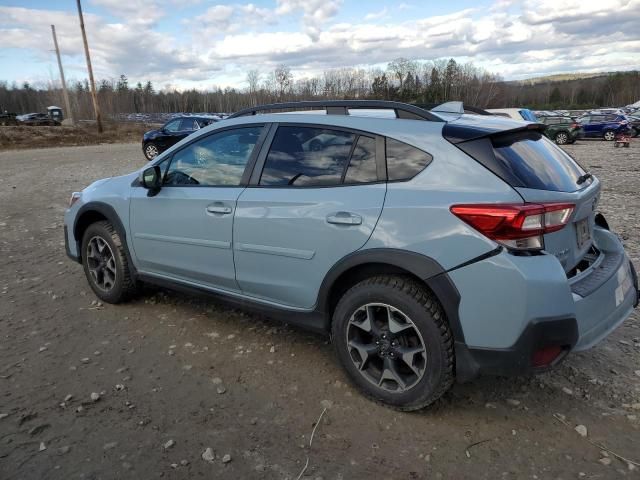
[[105, 263], [151, 151], [562, 138], [392, 338], [609, 135]]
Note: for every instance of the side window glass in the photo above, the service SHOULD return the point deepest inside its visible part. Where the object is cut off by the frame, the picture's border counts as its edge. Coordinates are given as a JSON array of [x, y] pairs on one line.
[[404, 161], [173, 125], [362, 167], [189, 124], [307, 156], [203, 122], [216, 160]]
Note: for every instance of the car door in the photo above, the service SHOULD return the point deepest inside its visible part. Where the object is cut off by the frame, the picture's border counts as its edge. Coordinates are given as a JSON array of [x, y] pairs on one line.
[[188, 125], [169, 134], [309, 204], [596, 125], [184, 231]]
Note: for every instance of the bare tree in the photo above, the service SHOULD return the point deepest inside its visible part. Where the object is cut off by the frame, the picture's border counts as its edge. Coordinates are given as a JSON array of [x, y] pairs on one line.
[[283, 79], [253, 79]]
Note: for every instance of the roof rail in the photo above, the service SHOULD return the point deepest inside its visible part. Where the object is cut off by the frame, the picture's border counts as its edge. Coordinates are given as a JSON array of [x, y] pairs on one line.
[[466, 108], [341, 107]]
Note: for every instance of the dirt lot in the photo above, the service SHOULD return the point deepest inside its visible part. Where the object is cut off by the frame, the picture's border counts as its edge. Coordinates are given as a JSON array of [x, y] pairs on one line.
[[83, 134], [176, 375]]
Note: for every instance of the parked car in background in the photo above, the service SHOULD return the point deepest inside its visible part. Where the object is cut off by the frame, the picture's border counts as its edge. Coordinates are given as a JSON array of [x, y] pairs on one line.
[[157, 141], [36, 119], [634, 122], [562, 130], [522, 114], [434, 245], [605, 126], [7, 118]]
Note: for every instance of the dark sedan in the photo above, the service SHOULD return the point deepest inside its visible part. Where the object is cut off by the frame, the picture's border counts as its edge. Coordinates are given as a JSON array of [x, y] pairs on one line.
[[36, 119], [155, 142]]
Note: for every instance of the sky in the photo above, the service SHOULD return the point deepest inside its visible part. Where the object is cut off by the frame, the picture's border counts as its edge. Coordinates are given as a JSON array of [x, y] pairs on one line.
[[203, 44]]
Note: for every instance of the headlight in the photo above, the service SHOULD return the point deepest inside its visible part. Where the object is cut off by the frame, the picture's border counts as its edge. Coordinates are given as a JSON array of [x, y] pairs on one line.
[[75, 196]]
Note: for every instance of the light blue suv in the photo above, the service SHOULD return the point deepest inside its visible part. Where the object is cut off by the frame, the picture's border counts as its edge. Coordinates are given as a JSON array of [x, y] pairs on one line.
[[434, 245]]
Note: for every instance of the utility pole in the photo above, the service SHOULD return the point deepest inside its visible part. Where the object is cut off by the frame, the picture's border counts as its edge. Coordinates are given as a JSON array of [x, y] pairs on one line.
[[67, 104], [94, 96]]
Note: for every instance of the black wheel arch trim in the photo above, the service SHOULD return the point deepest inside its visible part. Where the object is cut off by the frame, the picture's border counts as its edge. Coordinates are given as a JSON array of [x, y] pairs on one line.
[[425, 268], [108, 212]]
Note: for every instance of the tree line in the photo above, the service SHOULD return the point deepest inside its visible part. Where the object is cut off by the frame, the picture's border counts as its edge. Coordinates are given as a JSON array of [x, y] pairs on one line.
[[402, 80]]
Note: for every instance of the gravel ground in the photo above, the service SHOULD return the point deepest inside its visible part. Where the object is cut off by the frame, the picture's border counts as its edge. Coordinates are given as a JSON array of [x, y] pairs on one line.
[[168, 385]]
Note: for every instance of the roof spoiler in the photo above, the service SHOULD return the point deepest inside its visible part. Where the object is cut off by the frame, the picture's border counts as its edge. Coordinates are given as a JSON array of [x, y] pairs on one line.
[[458, 133]]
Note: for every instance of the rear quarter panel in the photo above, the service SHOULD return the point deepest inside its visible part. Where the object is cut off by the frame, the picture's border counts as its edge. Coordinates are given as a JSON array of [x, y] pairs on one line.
[[416, 215]]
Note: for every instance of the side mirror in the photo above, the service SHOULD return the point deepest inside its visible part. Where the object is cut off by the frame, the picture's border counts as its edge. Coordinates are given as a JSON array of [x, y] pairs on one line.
[[151, 178]]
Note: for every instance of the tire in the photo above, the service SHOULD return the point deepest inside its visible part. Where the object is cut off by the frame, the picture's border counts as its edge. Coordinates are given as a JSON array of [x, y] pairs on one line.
[[151, 150], [609, 135], [374, 367], [562, 138], [635, 132], [110, 278]]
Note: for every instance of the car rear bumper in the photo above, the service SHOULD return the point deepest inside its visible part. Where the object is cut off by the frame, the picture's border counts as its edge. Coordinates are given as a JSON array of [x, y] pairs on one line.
[[513, 308]]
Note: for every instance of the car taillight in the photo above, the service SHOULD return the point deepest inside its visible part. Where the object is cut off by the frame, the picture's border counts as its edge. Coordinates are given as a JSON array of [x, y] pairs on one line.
[[575, 125], [516, 226]]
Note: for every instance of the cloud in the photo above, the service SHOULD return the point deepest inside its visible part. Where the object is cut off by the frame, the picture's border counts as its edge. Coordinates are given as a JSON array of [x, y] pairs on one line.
[[376, 15], [315, 12], [221, 19], [218, 45]]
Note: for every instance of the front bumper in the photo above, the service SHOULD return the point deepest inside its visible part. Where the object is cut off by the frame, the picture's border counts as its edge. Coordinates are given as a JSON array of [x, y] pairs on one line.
[[70, 247], [529, 304]]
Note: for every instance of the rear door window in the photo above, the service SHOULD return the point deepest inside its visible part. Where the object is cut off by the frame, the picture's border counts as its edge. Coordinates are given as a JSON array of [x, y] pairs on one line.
[[189, 124], [404, 161], [533, 161], [362, 166], [307, 157]]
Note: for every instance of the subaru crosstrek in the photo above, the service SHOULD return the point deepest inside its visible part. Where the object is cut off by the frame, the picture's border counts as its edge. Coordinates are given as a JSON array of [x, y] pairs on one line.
[[433, 245]]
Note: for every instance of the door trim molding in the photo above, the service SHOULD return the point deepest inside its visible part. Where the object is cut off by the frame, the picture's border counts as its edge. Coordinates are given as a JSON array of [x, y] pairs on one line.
[[184, 240], [280, 251]]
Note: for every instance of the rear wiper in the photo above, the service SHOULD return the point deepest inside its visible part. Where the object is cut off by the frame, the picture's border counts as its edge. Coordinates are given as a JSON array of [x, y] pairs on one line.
[[584, 178]]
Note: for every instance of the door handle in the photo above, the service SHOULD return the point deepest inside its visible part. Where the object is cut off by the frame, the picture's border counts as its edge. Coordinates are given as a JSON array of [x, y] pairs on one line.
[[219, 208], [344, 218]]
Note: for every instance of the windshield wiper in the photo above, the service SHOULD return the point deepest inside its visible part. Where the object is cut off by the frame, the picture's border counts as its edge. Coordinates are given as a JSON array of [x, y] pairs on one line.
[[584, 178]]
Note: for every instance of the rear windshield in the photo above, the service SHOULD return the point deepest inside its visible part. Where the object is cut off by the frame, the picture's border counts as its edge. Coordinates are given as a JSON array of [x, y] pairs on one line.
[[533, 161]]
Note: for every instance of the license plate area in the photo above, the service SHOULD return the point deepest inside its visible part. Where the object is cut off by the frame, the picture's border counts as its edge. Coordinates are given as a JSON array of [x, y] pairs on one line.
[[583, 233]]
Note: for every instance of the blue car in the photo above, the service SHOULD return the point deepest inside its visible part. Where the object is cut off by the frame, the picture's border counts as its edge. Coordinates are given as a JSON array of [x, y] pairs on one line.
[[432, 245], [605, 126]]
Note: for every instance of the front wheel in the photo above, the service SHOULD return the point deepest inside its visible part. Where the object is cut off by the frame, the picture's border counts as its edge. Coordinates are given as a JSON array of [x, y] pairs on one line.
[[151, 151], [562, 138], [105, 263], [392, 338], [609, 135]]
